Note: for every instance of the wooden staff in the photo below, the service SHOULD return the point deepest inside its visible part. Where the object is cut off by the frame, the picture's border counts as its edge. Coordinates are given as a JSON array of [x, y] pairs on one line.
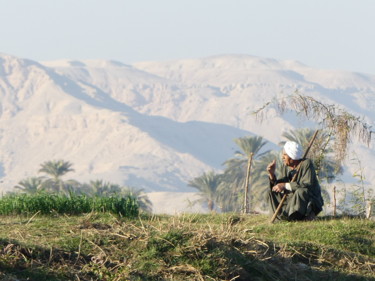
[[294, 177]]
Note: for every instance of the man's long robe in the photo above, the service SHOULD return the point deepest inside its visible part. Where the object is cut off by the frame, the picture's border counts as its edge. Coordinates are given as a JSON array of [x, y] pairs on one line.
[[305, 196]]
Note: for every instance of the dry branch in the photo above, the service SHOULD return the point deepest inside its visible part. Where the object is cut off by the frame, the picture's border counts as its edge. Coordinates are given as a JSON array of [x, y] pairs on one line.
[[341, 125]]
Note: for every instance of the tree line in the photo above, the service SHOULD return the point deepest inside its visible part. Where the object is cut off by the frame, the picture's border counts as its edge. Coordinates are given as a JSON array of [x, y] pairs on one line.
[[243, 184], [52, 182], [241, 187]]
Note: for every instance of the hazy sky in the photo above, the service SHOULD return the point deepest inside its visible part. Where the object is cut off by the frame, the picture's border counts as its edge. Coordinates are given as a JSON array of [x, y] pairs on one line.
[[333, 34]]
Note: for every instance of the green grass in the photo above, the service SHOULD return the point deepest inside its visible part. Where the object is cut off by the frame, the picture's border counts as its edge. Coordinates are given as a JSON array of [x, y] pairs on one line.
[[346, 234], [72, 204], [102, 246]]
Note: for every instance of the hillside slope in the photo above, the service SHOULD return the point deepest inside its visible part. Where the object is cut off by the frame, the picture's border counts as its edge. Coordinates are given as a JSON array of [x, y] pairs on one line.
[[155, 125]]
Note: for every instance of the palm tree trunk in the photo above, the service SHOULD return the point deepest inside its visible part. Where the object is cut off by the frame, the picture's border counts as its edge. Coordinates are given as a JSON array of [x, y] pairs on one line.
[[210, 205], [369, 209], [334, 201], [246, 208]]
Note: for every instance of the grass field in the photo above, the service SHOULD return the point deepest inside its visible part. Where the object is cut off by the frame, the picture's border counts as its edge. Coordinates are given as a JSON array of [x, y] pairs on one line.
[[103, 246]]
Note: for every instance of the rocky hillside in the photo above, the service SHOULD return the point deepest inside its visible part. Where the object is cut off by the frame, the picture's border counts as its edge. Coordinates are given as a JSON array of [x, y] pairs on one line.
[[155, 125]]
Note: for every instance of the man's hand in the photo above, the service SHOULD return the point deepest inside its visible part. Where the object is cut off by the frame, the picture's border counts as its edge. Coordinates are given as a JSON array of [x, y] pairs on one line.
[[271, 169], [280, 187]]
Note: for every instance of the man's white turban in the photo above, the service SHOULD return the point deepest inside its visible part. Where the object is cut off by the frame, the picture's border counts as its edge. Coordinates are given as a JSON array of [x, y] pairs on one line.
[[293, 150]]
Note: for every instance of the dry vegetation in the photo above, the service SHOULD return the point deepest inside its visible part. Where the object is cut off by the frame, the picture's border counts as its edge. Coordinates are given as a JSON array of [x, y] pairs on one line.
[[186, 247], [342, 126]]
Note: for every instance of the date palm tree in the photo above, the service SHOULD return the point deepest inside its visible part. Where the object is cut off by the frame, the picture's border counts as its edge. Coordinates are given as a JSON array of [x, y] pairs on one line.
[[55, 170], [250, 148], [102, 188], [229, 193], [207, 184], [260, 183], [142, 199], [30, 185]]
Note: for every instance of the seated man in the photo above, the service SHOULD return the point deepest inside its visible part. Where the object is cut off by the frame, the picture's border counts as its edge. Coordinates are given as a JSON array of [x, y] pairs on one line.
[[304, 199]]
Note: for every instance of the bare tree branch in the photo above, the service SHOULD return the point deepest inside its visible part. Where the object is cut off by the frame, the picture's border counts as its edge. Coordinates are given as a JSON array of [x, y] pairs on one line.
[[341, 125]]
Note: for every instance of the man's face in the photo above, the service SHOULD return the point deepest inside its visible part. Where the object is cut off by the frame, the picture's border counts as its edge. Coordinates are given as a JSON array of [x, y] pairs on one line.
[[286, 159]]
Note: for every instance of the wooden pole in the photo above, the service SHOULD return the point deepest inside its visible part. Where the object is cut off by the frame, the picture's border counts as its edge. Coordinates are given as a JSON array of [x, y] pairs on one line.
[[294, 177]]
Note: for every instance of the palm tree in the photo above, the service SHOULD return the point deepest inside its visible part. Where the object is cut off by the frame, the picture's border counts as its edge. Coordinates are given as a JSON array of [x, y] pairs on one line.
[[207, 184], [30, 185], [102, 188], [142, 199], [55, 170], [228, 194], [260, 183], [250, 150]]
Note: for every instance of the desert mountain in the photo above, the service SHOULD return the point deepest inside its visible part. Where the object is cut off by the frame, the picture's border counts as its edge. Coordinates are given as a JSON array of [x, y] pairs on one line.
[[156, 125]]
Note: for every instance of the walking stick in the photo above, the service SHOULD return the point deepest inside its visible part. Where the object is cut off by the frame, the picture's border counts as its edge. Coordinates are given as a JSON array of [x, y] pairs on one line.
[[294, 177]]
